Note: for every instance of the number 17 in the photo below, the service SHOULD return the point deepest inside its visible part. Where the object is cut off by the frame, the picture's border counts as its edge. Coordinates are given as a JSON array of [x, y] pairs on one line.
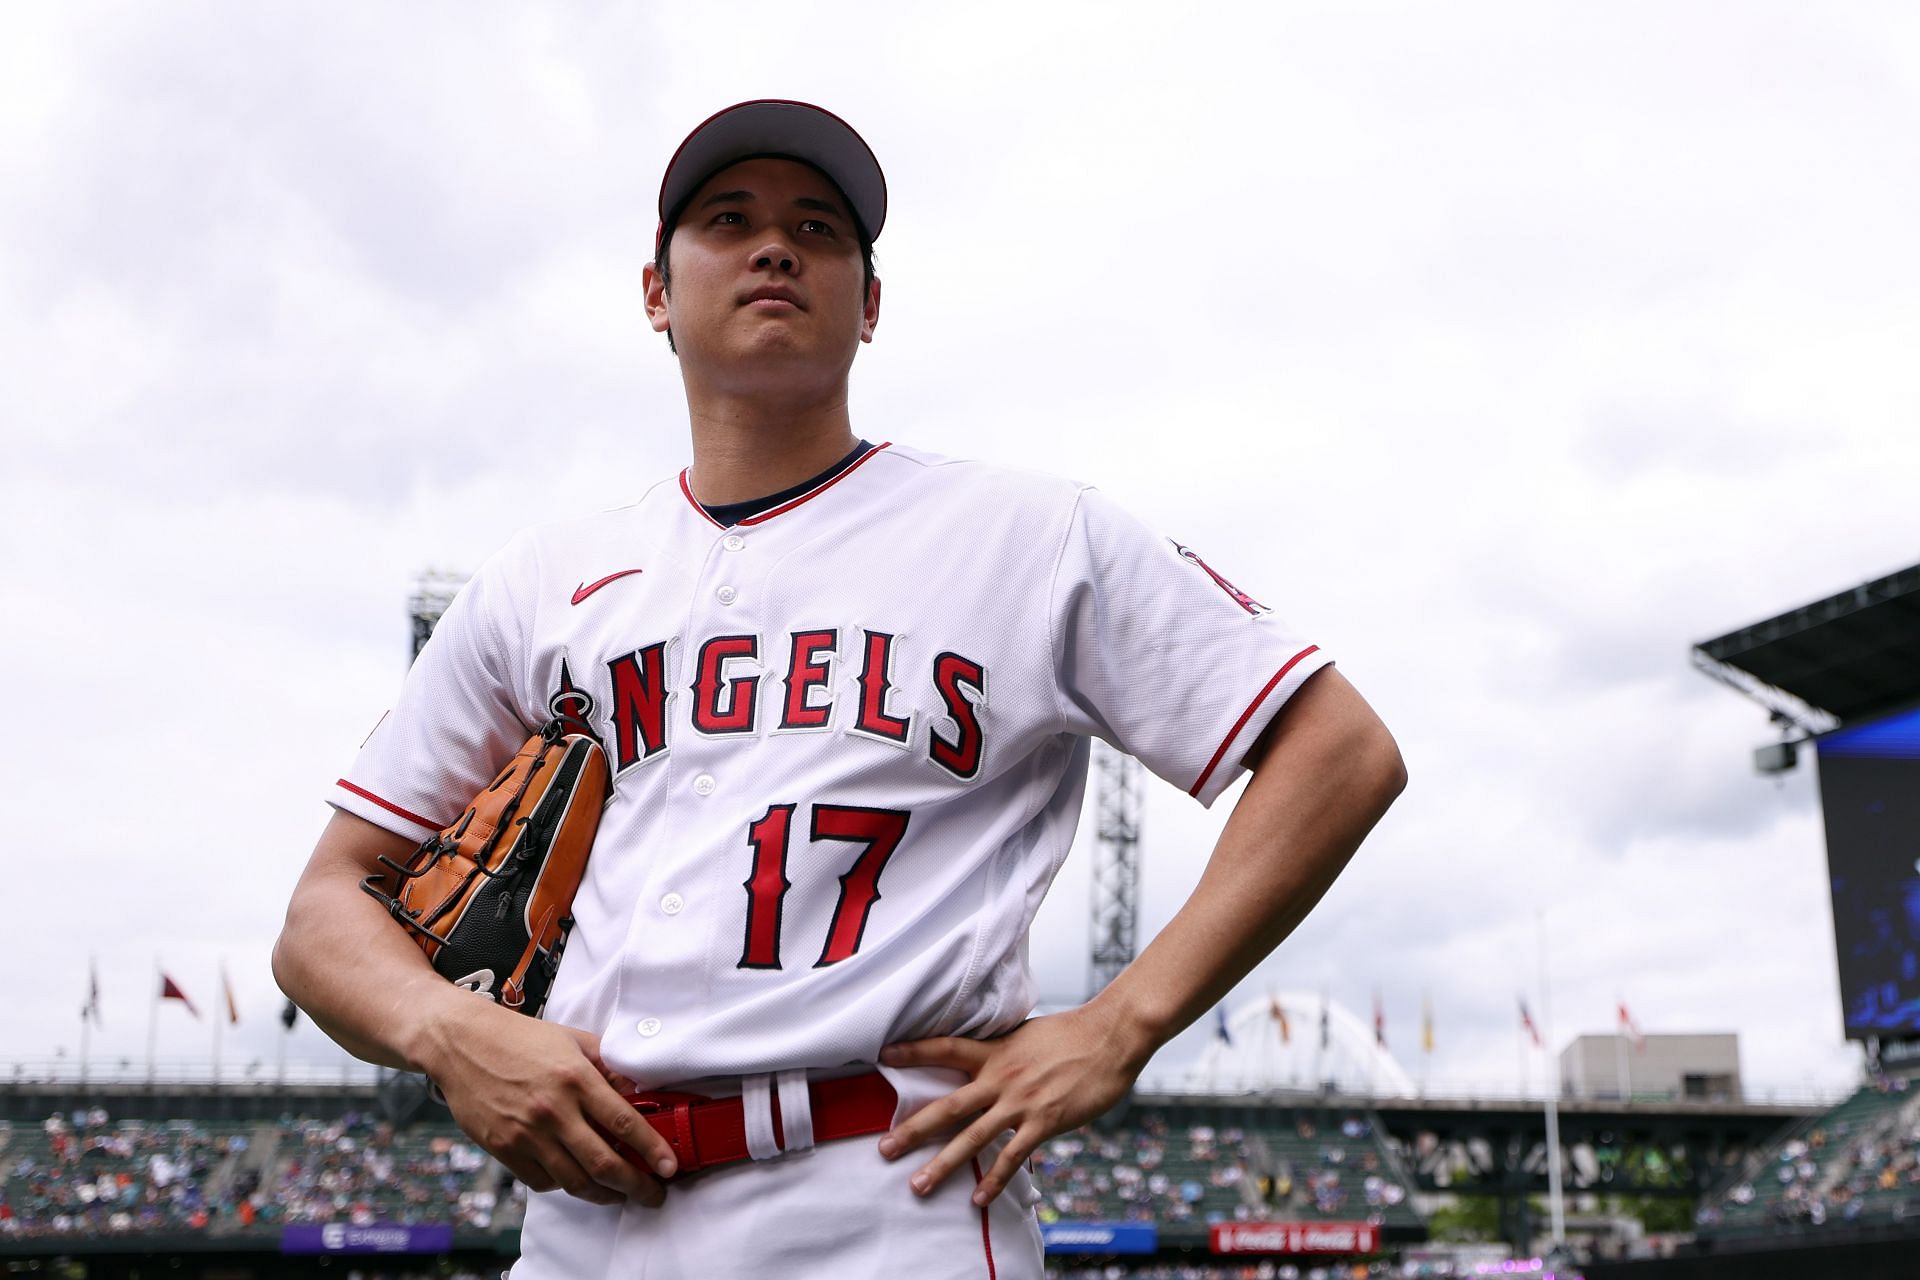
[[879, 830]]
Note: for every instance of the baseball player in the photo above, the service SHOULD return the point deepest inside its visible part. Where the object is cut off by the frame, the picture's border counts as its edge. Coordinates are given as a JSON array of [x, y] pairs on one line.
[[847, 689]]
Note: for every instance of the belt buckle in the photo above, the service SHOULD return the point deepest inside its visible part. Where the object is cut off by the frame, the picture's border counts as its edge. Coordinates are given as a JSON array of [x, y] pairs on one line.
[[679, 1131]]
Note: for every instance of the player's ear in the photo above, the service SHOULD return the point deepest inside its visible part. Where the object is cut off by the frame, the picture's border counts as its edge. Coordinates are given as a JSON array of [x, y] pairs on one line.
[[870, 314], [654, 286]]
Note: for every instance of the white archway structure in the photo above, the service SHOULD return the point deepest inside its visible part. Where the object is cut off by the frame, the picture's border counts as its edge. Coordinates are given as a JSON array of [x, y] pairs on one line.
[[1260, 1058]]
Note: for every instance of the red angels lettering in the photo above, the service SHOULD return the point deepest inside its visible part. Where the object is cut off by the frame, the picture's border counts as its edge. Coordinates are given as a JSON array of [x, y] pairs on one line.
[[952, 674], [709, 716], [807, 670], [766, 885], [639, 704], [726, 697], [875, 682]]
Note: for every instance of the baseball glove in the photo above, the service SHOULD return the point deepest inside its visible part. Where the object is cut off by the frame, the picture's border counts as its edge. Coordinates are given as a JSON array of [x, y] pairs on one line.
[[490, 898]]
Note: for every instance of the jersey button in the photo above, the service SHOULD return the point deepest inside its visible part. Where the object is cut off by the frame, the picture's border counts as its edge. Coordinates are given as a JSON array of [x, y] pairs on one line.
[[727, 595], [649, 1026], [733, 542], [703, 785], [672, 903]]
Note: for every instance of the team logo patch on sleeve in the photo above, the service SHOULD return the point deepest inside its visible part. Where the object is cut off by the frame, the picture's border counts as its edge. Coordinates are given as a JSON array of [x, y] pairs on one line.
[[1240, 597]]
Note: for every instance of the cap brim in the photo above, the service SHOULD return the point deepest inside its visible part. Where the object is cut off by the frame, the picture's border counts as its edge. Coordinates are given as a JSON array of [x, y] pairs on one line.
[[774, 126]]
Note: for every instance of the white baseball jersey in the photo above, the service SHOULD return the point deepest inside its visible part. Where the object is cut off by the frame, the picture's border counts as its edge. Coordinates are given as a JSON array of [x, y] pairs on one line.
[[849, 738]]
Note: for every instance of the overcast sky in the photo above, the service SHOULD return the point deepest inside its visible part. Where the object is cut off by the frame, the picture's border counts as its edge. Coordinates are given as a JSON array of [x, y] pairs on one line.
[[1508, 348]]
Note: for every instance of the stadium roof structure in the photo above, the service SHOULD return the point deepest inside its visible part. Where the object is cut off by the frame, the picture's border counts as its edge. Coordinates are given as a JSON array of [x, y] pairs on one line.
[[1846, 658]]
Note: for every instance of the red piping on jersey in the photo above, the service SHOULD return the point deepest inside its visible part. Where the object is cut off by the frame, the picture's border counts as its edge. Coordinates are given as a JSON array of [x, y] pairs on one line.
[[695, 502], [784, 507], [986, 1236], [1247, 715], [388, 805]]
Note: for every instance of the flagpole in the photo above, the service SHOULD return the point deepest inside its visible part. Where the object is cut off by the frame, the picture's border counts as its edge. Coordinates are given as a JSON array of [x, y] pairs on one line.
[[1620, 1070], [1556, 1208], [216, 1023], [1373, 1059], [1320, 1053], [1426, 1038], [1520, 1057], [153, 1017], [88, 1012]]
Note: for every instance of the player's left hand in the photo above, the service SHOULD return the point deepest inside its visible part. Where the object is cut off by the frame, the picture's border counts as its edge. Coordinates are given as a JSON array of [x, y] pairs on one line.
[[1049, 1075]]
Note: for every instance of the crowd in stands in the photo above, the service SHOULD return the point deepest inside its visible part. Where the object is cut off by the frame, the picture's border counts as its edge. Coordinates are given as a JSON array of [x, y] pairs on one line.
[[1149, 1173], [88, 1175], [356, 1170], [1887, 1163], [85, 1173], [1859, 1162], [1122, 1176], [1262, 1270]]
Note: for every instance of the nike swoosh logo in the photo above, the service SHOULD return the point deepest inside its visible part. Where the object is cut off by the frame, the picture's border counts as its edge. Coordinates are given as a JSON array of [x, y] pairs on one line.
[[582, 592]]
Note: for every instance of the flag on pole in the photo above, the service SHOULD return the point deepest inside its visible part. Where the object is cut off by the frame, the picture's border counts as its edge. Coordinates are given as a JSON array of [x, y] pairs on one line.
[[1526, 1020], [1280, 1017], [226, 987], [170, 990], [1632, 1029], [1220, 1026], [1379, 1020], [1325, 1000], [289, 1015], [91, 1009], [1426, 1022]]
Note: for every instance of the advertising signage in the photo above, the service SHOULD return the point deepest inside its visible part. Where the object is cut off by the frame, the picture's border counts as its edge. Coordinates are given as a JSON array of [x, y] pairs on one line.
[[383, 1237], [1295, 1237], [1100, 1237]]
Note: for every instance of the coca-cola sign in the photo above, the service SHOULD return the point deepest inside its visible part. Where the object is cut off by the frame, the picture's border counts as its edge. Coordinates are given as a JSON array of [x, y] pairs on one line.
[[1295, 1237]]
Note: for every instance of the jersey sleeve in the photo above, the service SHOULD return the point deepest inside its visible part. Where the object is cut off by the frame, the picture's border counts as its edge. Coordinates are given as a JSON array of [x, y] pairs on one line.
[[458, 718], [1159, 655]]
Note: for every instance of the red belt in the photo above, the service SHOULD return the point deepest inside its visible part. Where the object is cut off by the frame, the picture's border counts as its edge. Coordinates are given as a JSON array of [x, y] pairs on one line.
[[704, 1131]]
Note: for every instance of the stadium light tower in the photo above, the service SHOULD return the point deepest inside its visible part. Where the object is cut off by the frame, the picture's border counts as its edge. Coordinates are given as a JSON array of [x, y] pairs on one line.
[[433, 591], [401, 1093], [1116, 864]]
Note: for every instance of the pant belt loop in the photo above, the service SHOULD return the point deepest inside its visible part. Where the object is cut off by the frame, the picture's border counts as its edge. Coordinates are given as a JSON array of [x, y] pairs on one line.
[[796, 1109], [756, 1107]]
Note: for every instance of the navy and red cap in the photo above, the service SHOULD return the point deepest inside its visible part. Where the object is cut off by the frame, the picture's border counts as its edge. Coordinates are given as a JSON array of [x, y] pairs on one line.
[[778, 127]]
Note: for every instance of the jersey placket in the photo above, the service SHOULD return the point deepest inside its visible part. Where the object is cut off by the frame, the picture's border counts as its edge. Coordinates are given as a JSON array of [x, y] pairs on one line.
[[674, 940]]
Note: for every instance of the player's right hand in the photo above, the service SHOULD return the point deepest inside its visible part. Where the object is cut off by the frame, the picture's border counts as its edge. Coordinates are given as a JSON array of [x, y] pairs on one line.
[[532, 1094]]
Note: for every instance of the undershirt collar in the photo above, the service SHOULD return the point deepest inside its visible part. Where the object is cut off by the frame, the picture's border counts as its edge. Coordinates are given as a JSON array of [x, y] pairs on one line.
[[732, 513]]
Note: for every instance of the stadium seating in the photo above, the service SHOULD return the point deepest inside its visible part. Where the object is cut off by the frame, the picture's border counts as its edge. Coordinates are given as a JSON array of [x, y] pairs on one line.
[[1176, 1170], [1858, 1164], [357, 1169], [1340, 1169], [87, 1175], [1174, 1166]]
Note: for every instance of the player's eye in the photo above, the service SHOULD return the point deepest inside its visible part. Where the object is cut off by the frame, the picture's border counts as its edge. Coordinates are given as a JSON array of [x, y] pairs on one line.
[[729, 218], [816, 226]]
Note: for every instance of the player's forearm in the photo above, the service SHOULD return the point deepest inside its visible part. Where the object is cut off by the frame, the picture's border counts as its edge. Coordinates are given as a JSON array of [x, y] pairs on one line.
[[341, 958], [1324, 785]]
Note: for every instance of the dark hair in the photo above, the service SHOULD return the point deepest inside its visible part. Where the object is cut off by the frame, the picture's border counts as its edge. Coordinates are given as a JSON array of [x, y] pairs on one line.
[[673, 221]]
